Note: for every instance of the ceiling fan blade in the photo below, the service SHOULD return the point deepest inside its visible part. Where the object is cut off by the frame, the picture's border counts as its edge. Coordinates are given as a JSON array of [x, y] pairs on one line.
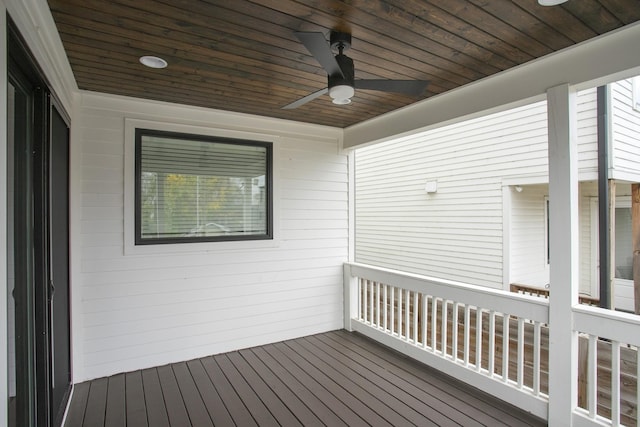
[[408, 87], [306, 99], [317, 45]]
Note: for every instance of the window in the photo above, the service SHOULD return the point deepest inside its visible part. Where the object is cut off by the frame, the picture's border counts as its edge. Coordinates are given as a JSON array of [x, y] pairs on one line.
[[191, 188]]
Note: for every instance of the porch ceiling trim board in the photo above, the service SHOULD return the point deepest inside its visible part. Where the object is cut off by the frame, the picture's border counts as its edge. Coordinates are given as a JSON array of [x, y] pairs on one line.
[[33, 19], [618, 57]]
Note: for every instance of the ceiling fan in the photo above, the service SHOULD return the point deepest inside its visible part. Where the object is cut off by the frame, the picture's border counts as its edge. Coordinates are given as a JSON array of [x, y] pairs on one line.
[[341, 82]]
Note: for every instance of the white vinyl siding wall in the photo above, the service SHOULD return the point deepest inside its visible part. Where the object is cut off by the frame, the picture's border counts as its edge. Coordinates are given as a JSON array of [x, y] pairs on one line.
[[528, 236], [625, 135], [457, 232], [139, 310], [588, 191], [528, 230]]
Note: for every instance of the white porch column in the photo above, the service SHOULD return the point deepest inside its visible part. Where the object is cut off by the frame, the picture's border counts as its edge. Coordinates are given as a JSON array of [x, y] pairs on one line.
[[563, 245], [350, 302]]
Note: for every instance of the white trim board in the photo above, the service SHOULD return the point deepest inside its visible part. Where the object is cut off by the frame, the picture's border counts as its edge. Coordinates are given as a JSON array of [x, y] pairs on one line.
[[610, 57]]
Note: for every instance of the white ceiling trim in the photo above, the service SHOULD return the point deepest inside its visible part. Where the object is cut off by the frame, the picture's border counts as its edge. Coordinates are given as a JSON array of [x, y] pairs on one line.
[[35, 23], [607, 58]]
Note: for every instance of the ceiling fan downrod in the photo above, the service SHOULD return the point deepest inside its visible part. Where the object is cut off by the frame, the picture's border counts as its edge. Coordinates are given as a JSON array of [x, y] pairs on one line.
[[341, 87]]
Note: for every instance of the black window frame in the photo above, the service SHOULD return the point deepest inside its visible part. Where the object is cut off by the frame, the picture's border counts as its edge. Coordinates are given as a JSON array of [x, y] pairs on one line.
[[268, 146]]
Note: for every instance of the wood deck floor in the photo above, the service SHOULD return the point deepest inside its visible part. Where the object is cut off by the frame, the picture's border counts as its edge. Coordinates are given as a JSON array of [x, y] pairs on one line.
[[333, 379]]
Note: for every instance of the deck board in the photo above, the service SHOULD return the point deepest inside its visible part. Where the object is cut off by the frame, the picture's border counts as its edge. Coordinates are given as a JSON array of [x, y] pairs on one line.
[[478, 404], [135, 399], [336, 378], [78, 404], [96, 403], [275, 405], [215, 406], [416, 403], [301, 391], [176, 409], [115, 412], [239, 413], [196, 409], [154, 400]]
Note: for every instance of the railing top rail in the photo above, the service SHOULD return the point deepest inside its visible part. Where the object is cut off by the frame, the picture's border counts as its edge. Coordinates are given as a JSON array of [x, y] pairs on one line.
[[610, 324], [526, 306]]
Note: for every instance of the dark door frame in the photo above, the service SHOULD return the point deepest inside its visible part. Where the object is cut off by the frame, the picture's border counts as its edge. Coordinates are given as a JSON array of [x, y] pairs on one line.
[[34, 311]]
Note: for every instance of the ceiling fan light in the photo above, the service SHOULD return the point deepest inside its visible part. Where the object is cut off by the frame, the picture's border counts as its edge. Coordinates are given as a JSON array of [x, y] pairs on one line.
[[344, 101], [550, 2], [341, 94]]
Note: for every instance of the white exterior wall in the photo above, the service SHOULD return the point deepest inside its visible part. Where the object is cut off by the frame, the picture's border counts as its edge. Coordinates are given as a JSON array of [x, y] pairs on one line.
[[528, 236], [133, 310], [149, 306], [625, 133], [457, 232]]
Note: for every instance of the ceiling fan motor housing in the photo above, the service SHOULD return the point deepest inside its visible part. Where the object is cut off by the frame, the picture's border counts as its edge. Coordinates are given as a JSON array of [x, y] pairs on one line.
[[346, 65], [340, 42]]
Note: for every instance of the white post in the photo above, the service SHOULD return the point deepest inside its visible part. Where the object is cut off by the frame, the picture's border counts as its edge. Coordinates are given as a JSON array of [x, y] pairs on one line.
[[563, 245], [350, 303]]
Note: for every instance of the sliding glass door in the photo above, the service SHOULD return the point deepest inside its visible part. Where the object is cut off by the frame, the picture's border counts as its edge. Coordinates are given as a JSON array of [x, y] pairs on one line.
[[38, 246]]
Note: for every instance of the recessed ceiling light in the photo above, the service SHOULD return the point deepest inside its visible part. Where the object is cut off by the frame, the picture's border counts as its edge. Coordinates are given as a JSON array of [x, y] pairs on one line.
[[153, 62], [550, 2]]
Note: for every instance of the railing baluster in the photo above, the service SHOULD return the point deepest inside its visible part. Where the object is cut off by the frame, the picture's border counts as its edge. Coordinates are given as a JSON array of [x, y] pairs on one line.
[[615, 383], [385, 304], [592, 377], [399, 316], [407, 315], [392, 307], [637, 386], [505, 347], [478, 339], [492, 342], [537, 328], [444, 321], [360, 299], [371, 306], [423, 319], [467, 327], [520, 352], [378, 304], [434, 322], [365, 301], [454, 332], [415, 317]]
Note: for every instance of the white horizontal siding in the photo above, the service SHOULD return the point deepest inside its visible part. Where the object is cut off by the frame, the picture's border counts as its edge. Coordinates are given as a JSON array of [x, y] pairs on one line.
[[625, 133], [143, 310], [587, 130], [624, 298], [457, 232], [528, 234], [587, 283]]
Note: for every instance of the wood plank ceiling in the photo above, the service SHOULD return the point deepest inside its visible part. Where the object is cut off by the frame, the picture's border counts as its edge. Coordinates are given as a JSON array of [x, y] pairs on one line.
[[242, 55]]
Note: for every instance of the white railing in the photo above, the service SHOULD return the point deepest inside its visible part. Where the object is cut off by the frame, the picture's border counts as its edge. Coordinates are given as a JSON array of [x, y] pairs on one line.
[[498, 341], [609, 367], [494, 340]]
